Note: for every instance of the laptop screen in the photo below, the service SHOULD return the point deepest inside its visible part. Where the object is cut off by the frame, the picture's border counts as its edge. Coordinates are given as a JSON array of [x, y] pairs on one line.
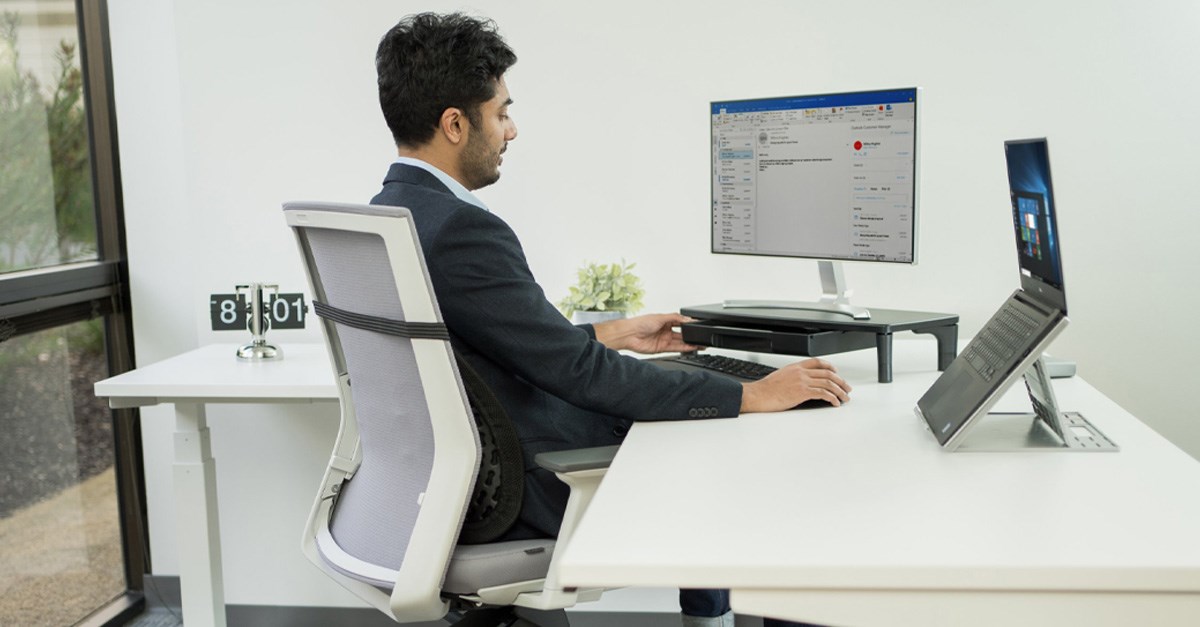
[[1034, 220]]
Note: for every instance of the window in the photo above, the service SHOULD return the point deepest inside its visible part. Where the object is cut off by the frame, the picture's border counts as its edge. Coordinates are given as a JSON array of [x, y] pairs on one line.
[[70, 487]]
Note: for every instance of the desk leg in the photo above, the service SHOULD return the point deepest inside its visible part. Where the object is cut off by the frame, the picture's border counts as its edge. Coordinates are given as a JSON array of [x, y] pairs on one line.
[[883, 351], [199, 538]]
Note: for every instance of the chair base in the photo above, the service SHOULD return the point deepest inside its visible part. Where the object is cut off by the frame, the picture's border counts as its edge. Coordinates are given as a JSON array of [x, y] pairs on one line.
[[508, 617]]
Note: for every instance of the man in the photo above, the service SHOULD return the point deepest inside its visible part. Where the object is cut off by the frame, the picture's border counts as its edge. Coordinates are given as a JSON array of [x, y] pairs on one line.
[[443, 94]]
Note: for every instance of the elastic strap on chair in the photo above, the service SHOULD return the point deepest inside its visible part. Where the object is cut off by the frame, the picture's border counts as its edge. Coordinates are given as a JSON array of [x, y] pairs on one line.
[[411, 330]]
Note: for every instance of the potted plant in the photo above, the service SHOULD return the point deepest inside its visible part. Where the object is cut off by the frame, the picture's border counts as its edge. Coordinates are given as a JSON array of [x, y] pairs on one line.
[[604, 292]]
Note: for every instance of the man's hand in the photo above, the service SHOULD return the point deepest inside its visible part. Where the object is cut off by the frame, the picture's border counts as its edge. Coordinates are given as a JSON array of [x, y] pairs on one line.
[[793, 384], [648, 334]]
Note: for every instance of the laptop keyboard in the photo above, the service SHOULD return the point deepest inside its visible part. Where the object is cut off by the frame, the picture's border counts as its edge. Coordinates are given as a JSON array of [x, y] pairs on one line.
[[726, 365], [991, 350]]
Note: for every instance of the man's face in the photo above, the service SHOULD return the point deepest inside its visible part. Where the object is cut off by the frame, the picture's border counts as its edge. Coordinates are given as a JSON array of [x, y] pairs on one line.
[[480, 160]]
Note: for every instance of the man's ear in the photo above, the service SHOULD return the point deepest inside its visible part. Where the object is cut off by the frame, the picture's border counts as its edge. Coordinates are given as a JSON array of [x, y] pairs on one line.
[[454, 125]]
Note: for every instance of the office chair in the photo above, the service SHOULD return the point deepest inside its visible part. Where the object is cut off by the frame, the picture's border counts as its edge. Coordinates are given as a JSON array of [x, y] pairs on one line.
[[395, 499]]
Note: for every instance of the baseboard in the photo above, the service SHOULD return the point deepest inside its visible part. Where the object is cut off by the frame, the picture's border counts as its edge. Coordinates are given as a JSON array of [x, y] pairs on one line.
[[163, 592], [119, 611]]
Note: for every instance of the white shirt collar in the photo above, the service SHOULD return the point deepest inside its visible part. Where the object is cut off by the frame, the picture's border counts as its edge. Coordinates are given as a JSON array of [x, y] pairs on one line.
[[456, 188]]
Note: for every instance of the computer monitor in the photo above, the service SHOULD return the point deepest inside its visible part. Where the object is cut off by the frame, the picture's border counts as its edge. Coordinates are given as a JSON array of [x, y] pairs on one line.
[[831, 177]]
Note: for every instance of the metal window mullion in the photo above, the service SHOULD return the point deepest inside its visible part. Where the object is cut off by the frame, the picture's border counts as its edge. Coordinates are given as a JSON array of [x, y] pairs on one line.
[[32, 285], [48, 304]]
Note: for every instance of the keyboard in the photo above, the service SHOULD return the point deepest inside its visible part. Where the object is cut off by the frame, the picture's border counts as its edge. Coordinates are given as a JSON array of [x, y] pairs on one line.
[[992, 349], [729, 366]]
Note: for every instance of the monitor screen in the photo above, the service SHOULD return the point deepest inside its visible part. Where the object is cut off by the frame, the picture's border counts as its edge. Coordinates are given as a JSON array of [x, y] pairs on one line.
[[1034, 218], [831, 176]]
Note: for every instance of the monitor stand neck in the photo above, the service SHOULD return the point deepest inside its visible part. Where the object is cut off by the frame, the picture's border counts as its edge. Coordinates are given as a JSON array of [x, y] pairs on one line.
[[835, 297]]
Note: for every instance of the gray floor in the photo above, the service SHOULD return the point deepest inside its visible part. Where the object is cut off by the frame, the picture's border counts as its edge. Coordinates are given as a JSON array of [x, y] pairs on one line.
[[169, 617], [162, 603], [157, 617]]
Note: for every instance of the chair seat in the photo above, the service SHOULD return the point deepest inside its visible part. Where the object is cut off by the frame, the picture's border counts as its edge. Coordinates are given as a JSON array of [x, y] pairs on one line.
[[472, 567], [477, 566]]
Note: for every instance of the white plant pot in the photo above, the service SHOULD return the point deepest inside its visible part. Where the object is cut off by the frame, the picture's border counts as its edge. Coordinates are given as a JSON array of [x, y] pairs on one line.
[[592, 317]]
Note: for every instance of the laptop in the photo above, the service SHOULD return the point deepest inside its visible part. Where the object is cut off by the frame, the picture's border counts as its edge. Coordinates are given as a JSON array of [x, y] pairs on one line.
[[1010, 345]]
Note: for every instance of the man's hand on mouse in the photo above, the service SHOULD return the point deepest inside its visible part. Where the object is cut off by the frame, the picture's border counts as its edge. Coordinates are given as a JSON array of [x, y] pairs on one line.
[[787, 387]]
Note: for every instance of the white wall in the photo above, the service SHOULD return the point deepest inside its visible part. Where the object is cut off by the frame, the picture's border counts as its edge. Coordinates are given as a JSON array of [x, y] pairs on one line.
[[227, 108]]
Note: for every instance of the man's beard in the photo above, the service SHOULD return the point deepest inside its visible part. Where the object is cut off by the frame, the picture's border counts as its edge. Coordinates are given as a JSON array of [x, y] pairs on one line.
[[478, 164]]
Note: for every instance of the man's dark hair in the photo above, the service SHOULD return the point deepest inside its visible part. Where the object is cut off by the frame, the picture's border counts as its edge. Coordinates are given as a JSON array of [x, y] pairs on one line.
[[428, 63]]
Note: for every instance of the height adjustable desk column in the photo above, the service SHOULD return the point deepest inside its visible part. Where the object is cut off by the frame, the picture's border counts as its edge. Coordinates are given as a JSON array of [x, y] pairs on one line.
[[816, 333]]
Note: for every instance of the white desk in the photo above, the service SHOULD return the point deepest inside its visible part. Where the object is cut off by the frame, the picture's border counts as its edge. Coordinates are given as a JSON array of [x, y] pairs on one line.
[[854, 516], [213, 374]]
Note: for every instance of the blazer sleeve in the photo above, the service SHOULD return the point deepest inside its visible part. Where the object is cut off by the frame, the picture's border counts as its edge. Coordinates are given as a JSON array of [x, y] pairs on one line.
[[490, 300]]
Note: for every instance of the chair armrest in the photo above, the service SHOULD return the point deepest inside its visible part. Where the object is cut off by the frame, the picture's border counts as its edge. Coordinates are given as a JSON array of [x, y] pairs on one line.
[[582, 470], [577, 459]]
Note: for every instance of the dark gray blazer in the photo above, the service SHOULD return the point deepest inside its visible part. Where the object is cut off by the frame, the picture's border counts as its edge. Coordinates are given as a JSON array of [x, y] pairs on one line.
[[561, 388]]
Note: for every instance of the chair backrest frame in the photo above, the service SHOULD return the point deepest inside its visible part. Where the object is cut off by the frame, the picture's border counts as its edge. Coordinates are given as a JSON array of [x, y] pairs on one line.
[[416, 584]]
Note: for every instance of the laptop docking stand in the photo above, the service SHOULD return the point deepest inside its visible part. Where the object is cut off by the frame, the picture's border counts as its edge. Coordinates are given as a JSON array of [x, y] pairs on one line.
[[1046, 429]]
